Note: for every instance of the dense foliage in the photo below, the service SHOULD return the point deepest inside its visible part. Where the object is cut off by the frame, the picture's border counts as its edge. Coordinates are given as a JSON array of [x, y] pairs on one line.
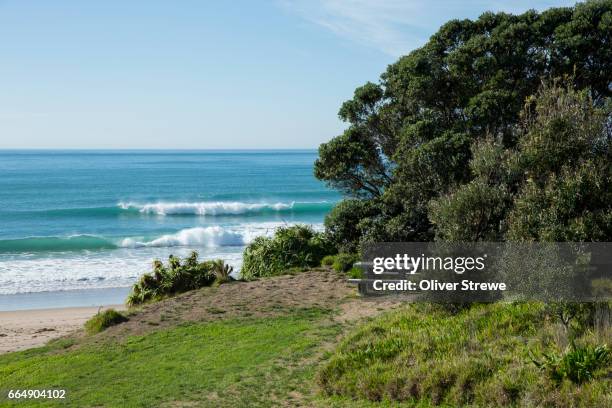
[[459, 140], [176, 277], [555, 184], [298, 246], [344, 262], [498, 129]]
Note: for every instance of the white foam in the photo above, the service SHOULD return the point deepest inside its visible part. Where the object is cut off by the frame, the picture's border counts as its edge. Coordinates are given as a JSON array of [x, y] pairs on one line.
[[210, 237], [93, 270], [25, 272], [204, 208]]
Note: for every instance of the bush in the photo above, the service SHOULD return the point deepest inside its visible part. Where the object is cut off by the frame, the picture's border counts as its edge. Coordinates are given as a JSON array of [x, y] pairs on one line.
[[297, 246], [578, 364], [328, 260], [104, 320], [355, 273], [344, 262], [177, 277], [342, 224], [222, 272], [576, 318]]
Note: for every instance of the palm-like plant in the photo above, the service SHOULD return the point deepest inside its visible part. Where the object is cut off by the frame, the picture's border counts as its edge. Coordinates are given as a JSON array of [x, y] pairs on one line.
[[175, 277], [222, 271], [578, 364]]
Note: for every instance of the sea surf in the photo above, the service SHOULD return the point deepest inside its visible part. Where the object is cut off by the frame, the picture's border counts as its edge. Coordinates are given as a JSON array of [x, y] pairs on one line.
[[78, 220]]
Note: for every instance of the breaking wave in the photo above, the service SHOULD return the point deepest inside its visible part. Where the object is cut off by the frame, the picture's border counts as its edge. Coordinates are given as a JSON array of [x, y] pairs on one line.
[[213, 208], [210, 237], [199, 236]]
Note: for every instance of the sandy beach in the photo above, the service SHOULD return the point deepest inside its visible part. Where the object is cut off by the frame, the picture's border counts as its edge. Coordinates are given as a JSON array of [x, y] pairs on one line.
[[23, 329]]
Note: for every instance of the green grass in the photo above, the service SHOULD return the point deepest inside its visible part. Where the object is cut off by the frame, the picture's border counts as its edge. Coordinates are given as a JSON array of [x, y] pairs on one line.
[[416, 356], [344, 262], [328, 260], [355, 273], [234, 363], [423, 355]]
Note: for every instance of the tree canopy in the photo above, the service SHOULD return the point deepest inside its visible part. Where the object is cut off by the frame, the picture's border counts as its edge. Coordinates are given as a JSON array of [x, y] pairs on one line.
[[497, 128]]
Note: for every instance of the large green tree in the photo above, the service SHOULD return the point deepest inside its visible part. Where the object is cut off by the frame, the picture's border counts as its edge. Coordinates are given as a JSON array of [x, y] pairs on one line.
[[555, 184], [423, 139]]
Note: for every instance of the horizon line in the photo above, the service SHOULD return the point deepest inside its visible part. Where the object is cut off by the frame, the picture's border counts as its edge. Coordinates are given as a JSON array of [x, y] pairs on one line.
[[152, 149]]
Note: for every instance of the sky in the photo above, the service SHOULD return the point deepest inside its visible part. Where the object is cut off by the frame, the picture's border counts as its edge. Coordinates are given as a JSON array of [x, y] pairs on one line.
[[185, 74]]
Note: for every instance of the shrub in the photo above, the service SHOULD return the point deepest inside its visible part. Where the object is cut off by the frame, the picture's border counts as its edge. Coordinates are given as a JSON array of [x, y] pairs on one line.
[[222, 271], [355, 273], [344, 262], [578, 364], [176, 277], [297, 246], [342, 224], [576, 318], [328, 260], [104, 320]]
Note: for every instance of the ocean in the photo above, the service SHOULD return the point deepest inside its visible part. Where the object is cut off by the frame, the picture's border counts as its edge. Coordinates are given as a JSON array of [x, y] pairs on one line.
[[79, 221]]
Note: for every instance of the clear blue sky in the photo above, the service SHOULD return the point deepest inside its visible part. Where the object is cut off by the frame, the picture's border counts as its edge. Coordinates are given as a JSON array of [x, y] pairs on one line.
[[201, 74]]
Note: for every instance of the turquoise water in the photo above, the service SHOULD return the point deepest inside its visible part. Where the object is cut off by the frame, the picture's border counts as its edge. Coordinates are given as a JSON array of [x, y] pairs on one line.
[[75, 220]]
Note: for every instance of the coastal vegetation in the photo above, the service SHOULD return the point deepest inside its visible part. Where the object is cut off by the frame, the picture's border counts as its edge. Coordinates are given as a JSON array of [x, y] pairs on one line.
[[344, 262], [272, 342], [485, 355], [178, 276], [496, 129], [577, 364], [104, 320], [460, 139], [297, 246]]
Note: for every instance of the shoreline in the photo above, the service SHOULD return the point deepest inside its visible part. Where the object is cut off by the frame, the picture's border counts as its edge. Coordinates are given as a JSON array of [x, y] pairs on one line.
[[24, 329], [63, 299]]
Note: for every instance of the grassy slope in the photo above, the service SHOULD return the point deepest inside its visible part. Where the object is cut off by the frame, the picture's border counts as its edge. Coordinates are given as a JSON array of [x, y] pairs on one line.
[[268, 343], [234, 363], [423, 356], [237, 345]]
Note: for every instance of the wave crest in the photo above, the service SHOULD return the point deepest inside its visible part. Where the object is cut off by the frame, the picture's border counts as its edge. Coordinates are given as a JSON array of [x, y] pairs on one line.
[[222, 207], [199, 236], [210, 237]]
